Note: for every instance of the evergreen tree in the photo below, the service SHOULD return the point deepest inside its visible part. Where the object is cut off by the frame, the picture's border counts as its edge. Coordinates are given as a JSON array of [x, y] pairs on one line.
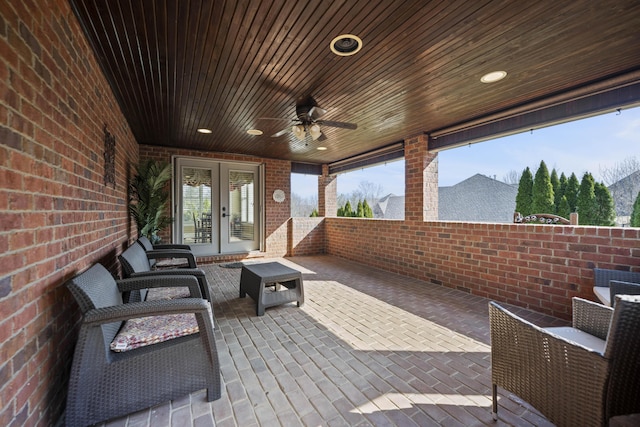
[[368, 212], [573, 187], [314, 213], [558, 195], [340, 211], [542, 191], [605, 211], [524, 198], [347, 210], [635, 214], [555, 184], [587, 201], [359, 210], [563, 208]]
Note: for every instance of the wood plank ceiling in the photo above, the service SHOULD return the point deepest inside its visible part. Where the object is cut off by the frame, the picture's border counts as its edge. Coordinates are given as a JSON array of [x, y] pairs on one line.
[[179, 65]]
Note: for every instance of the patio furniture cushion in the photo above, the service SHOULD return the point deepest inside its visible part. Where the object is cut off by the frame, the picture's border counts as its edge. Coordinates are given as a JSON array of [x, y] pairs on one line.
[[603, 278], [144, 331], [579, 337], [156, 294], [602, 293]]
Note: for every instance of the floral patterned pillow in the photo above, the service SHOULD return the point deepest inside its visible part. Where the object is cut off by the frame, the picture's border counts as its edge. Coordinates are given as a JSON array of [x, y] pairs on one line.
[[155, 294], [151, 330]]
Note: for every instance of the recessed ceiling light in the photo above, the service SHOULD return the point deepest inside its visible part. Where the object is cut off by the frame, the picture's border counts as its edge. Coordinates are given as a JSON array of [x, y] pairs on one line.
[[493, 76], [321, 148], [254, 132], [203, 130], [346, 45]]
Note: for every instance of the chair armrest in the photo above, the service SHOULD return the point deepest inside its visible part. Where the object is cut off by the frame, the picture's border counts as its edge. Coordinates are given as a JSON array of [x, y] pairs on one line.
[[153, 280], [171, 246], [173, 253], [591, 317], [118, 313], [194, 272]]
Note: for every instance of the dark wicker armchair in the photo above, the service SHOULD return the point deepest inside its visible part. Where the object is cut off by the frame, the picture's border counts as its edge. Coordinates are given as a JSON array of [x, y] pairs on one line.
[[134, 261], [166, 255], [576, 376], [608, 283], [104, 383]]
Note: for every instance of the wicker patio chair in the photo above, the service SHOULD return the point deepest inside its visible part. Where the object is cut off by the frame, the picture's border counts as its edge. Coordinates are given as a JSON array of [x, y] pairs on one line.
[[602, 278], [165, 255], [105, 384], [148, 246], [135, 263], [575, 376]]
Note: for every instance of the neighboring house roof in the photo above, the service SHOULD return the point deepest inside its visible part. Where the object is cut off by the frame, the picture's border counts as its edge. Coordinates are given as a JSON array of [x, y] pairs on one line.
[[483, 199], [624, 193], [478, 198], [389, 207]]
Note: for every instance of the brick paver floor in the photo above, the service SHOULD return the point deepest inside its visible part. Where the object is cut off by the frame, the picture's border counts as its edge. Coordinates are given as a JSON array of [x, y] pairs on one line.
[[368, 348]]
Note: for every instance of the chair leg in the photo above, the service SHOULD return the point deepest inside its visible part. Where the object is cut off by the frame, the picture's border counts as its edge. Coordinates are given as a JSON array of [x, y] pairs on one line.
[[494, 412]]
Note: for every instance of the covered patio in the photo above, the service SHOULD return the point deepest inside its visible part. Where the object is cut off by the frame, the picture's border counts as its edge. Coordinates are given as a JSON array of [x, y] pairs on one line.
[[368, 348], [395, 327]]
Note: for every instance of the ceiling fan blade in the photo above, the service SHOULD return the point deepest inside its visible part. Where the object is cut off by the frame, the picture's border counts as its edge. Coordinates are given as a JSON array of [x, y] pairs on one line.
[[280, 119], [342, 125], [280, 133], [322, 137], [315, 113]]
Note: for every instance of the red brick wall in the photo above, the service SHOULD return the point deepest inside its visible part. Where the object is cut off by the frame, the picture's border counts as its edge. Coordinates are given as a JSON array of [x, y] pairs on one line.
[[534, 266], [421, 180], [327, 193], [56, 215], [307, 236], [278, 176]]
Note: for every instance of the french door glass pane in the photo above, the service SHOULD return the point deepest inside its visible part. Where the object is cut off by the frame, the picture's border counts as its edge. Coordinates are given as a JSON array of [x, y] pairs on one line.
[[196, 206], [241, 199]]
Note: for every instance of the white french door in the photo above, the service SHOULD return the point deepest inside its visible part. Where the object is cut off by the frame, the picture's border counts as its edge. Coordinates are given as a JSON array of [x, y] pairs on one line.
[[216, 206]]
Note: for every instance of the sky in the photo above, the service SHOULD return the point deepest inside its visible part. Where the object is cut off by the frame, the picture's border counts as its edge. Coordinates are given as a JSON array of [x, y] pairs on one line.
[[587, 145]]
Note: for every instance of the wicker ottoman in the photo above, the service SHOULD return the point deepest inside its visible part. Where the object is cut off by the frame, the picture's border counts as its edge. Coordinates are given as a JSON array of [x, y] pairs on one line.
[[271, 284]]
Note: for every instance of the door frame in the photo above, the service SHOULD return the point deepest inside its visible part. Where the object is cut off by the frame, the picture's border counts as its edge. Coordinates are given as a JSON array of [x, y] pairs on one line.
[[216, 247]]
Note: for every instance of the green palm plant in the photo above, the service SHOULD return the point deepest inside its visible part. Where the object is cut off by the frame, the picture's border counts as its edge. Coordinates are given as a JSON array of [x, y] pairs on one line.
[[149, 197]]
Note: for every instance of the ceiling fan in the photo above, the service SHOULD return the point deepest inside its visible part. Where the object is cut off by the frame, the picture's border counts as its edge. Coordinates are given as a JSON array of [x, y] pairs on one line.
[[308, 120]]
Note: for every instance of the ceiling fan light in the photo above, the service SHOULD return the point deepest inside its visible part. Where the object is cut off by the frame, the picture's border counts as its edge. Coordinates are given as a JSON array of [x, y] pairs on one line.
[[298, 131], [315, 132]]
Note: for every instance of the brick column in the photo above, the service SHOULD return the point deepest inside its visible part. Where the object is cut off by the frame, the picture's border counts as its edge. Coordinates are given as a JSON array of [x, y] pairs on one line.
[[421, 180], [327, 194]]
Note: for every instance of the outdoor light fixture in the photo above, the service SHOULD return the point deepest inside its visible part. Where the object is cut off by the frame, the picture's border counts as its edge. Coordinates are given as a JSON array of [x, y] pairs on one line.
[[256, 132], [493, 76], [203, 130], [314, 131], [298, 131]]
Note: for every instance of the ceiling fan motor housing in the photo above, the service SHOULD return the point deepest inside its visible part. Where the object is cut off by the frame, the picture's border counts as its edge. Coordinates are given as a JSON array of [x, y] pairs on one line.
[[302, 112]]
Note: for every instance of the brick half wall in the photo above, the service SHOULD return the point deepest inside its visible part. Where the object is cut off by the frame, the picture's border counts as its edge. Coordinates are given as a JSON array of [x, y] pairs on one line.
[[533, 266]]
